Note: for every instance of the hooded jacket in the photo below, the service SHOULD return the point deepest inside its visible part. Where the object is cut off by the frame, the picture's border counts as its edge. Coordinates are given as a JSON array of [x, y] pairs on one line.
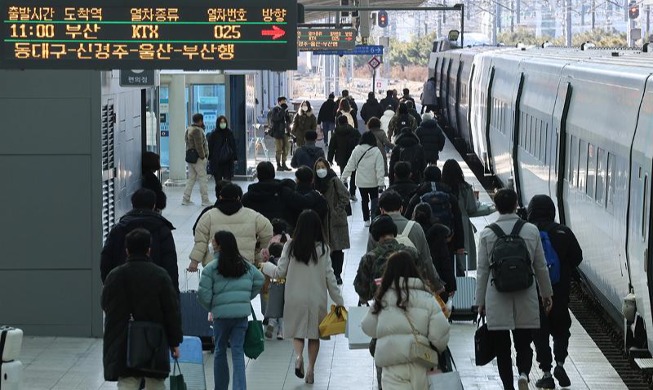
[[306, 155], [432, 139], [163, 252], [368, 163], [400, 122], [408, 148], [541, 213], [371, 108], [406, 188], [144, 290], [344, 140], [393, 330], [303, 122], [265, 197], [390, 101], [299, 198], [249, 227]]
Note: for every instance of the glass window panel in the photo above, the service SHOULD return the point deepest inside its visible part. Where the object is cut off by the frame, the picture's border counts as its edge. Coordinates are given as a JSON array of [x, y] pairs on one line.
[[611, 179], [591, 170], [602, 162], [582, 166]]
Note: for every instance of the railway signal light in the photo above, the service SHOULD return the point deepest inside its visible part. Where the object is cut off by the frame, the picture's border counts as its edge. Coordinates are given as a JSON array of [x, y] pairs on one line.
[[633, 11], [383, 19]]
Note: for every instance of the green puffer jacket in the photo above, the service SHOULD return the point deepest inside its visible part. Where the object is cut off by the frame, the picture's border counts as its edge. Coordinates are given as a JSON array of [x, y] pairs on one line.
[[372, 266], [228, 297]]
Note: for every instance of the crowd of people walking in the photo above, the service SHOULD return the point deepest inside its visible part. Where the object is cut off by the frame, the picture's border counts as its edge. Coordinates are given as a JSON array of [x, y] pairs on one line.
[[295, 232]]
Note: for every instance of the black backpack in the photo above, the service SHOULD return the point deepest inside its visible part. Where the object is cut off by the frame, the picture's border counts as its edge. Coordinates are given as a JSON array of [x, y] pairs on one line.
[[510, 260], [440, 203]]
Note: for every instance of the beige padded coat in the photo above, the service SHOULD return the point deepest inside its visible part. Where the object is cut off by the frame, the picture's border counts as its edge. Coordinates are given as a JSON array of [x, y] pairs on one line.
[[247, 225]]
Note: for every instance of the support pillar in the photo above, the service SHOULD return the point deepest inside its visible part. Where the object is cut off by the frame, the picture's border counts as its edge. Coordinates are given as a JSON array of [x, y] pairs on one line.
[[177, 104]]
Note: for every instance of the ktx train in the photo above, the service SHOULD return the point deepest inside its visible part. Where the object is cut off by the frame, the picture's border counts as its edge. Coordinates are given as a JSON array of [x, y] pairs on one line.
[[576, 125]]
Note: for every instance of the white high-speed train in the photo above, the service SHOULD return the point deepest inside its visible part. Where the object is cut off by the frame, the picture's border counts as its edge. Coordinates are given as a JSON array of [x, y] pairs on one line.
[[576, 125]]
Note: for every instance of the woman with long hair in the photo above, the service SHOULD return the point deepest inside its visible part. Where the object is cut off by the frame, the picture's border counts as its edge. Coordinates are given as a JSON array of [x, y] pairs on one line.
[[367, 161], [150, 165], [452, 175], [345, 109], [335, 225], [222, 150], [303, 122], [227, 286], [404, 310], [306, 265]]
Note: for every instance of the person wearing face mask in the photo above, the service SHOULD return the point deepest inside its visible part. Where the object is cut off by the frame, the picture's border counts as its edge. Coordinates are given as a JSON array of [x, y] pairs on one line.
[[222, 150], [335, 223], [279, 127], [304, 121]]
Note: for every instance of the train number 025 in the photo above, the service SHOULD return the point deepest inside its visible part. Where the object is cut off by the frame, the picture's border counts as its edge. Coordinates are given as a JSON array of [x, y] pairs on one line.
[[226, 32]]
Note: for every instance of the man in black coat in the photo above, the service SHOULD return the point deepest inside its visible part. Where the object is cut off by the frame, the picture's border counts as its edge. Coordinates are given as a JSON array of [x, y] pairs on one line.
[[144, 291], [541, 212], [413, 112], [408, 148], [345, 139], [265, 195], [327, 116], [279, 123], [433, 175], [432, 138], [390, 101], [371, 108], [402, 184], [302, 196], [163, 253]]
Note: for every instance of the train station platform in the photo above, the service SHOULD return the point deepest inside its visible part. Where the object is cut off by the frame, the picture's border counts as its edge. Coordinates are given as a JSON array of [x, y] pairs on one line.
[[76, 363]]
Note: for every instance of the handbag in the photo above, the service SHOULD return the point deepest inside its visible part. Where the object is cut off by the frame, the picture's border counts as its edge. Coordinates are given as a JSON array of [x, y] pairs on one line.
[[192, 156], [334, 323], [226, 153], [483, 346], [177, 379], [147, 347], [276, 299], [254, 337], [420, 353], [348, 209], [445, 380]]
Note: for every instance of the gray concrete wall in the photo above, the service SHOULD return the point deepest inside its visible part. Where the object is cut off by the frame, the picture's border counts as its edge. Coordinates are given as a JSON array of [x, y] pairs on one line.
[[51, 195]]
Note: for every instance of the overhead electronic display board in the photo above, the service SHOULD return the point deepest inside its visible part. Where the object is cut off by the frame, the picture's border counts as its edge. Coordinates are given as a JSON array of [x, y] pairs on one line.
[[326, 39], [155, 34]]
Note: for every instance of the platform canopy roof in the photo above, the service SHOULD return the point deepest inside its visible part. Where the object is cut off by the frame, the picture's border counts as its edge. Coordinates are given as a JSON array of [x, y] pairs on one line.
[[314, 16]]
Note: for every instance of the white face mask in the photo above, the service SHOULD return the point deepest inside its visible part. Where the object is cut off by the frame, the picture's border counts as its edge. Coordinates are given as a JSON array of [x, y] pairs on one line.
[[321, 173], [223, 125]]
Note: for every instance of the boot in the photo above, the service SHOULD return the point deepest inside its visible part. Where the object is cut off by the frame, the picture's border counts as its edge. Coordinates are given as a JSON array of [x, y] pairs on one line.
[[279, 168], [285, 167]]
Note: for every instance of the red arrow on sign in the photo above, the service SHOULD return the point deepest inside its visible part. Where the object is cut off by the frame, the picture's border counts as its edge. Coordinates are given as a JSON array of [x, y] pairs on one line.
[[275, 32]]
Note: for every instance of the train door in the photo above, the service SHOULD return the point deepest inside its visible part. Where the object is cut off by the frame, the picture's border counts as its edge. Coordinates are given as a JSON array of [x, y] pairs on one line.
[[639, 212], [447, 92], [458, 126], [515, 142], [559, 152], [488, 122]]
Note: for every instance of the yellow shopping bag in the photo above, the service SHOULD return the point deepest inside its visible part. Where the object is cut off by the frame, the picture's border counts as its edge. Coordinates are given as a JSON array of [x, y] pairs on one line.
[[335, 322]]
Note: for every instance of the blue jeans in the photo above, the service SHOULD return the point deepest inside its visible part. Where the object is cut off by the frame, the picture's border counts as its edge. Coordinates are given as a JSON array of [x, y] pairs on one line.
[[326, 128], [232, 331]]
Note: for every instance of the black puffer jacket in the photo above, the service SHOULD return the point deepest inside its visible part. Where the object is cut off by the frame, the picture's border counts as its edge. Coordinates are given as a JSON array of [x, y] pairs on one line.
[[306, 155], [541, 212], [432, 139], [436, 235], [216, 139], [163, 251], [300, 197], [265, 198], [407, 148], [151, 182], [144, 290], [406, 188], [327, 112], [345, 138], [371, 108]]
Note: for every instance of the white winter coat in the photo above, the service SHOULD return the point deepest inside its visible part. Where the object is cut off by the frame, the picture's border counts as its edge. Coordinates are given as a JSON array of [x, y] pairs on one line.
[[370, 171], [385, 119], [393, 332], [519, 309]]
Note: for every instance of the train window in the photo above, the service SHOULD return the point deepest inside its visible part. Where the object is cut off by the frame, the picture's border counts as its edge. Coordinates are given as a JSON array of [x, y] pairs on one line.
[[602, 162], [544, 141], [644, 201], [522, 130], [533, 133], [582, 166], [573, 162], [591, 170], [612, 176]]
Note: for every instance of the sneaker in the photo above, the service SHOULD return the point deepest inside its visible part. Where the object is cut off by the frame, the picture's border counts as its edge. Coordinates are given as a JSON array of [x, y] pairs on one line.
[[561, 375], [269, 329], [353, 198], [285, 168], [187, 202], [280, 332], [522, 382], [207, 204], [367, 223], [546, 382]]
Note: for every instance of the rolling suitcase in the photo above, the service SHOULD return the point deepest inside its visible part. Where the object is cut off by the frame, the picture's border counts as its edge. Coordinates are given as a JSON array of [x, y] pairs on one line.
[[11, 341], [463, 302], [11, 375], [191, 363], [194, 318]]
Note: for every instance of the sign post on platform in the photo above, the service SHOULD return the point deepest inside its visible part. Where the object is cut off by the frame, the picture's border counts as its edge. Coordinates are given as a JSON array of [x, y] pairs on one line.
[[374, 63]]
